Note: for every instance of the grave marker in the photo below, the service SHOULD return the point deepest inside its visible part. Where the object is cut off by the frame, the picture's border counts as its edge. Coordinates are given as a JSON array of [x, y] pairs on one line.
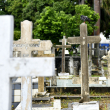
[[25, 46], [17, 67], [63, 46], [83, 40]]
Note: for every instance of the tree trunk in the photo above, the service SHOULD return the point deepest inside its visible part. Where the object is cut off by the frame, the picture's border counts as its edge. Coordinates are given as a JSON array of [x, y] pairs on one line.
[[82, 2], [97, 32], [97, 9]]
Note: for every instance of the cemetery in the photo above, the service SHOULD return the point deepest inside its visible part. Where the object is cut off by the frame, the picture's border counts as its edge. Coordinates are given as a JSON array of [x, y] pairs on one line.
[[50, 92], [58, 60]]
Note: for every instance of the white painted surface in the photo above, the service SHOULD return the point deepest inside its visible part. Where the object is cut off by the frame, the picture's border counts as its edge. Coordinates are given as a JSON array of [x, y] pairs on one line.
[[16, 67], [17, 92], [17, 99], [57, 103], [19, 80], [63, 74], [102, 78], [71, 66], [93, 105], [34, 91], [66, 52]]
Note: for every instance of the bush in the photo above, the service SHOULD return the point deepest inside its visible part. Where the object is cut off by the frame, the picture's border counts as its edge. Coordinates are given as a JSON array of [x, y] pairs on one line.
[[17, 35]]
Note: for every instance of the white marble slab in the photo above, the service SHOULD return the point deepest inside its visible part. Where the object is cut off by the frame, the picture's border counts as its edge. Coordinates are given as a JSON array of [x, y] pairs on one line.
[[102, 78], [93, 105], [63, 74]]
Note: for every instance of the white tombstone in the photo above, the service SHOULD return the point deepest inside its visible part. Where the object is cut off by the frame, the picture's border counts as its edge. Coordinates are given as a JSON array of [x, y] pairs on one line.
[[17, 67]]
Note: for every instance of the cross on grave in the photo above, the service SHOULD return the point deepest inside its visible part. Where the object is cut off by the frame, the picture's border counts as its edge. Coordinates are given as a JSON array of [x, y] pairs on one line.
[[63, 46], [108, 59], [83, 40], [26, 45], [18, 67]]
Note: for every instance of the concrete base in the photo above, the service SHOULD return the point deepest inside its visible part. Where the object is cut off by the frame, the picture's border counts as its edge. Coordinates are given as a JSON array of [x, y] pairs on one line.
[[41, 93], [63, 74], [93, 105], [56, 106]]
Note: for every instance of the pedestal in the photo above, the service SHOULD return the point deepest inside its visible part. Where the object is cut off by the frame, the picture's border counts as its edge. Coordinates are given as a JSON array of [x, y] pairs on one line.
[[63, 74]]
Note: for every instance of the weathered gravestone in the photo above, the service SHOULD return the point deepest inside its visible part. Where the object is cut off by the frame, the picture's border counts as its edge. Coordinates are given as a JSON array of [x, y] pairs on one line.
[[63, 46], [26, 45], [18, 67], [83, 40]]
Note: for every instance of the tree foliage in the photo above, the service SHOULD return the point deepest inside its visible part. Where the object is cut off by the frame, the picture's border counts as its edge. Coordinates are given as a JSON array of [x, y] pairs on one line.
[[2, 7], [105, 17], [52, 24], [15, 8]]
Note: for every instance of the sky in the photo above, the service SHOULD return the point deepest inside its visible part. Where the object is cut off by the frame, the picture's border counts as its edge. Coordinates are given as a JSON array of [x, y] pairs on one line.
[[103, 39]]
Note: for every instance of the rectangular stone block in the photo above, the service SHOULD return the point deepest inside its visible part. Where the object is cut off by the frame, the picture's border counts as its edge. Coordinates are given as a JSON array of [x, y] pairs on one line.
[[76, 80], [93, 80], [57, 103], [63, 74], [103, 82], [93, 105], [47, 52], [102, 78]]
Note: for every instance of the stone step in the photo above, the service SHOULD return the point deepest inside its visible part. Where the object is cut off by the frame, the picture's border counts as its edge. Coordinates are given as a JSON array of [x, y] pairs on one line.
[[41, 98], [67, 109], [41, 105]]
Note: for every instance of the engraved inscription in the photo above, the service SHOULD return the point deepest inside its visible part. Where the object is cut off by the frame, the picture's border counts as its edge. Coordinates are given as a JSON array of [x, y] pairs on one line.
[[25, 55], [26, 45]]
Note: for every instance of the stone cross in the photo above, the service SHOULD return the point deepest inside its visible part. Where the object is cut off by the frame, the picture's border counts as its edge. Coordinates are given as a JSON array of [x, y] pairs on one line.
[[25, 46], [63, 46], [18, 67], [83, 40]]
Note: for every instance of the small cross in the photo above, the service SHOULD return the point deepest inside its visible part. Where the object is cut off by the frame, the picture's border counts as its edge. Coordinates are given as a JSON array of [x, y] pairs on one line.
[[63, 46]]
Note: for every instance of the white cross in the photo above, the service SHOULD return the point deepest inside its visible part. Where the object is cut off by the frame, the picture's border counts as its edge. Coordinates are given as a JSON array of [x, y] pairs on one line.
[[17, 67]]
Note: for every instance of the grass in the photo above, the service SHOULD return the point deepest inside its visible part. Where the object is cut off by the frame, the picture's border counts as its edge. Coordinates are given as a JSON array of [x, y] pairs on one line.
[[95, 75], [103, 102], [105, 68], [47, 78], [92, 92], [105, 61]]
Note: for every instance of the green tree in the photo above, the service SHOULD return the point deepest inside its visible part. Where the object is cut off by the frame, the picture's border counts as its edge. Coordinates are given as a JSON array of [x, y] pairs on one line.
[[52, 25], [15, 8], [2, 7], [105, 17], [34, 7]]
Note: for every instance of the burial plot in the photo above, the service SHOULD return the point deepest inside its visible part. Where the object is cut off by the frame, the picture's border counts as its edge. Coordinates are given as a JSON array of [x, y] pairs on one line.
[[17, 67], [83, 40]]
